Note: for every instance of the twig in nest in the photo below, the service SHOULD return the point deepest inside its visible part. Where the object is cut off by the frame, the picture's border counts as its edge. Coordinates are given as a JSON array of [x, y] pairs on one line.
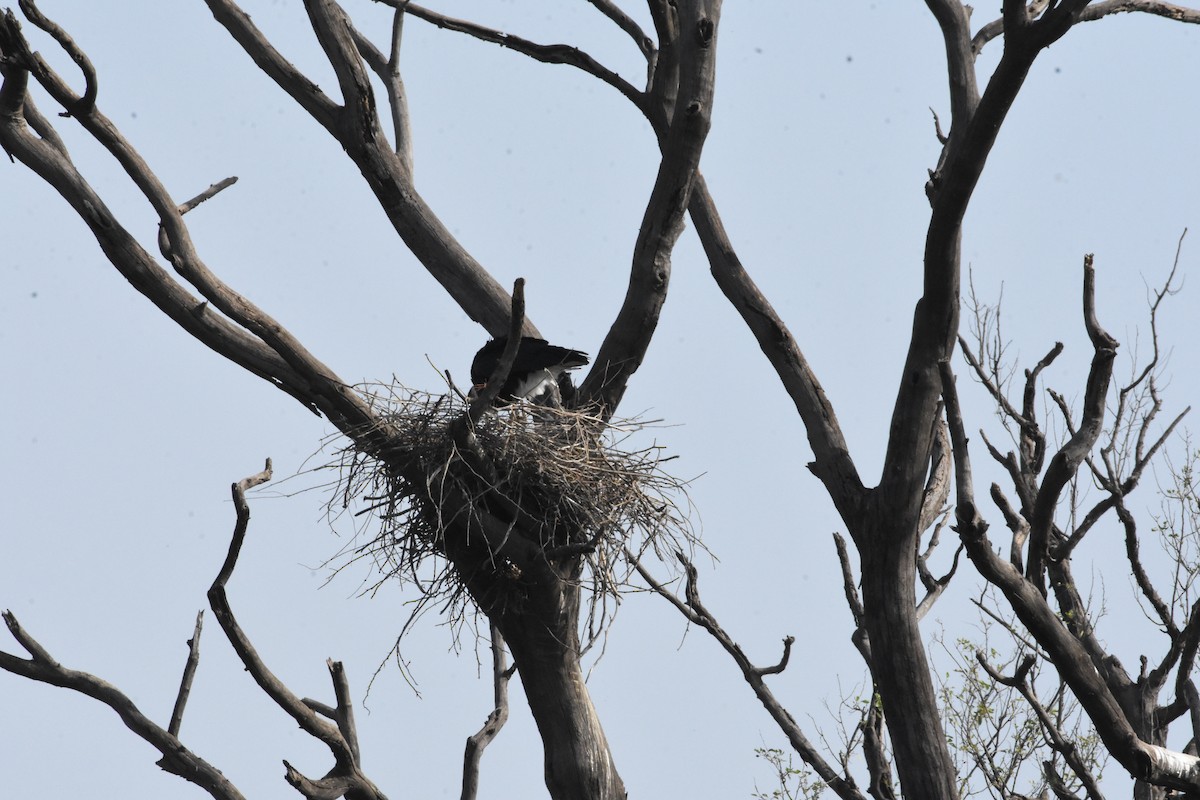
[[542, 485]]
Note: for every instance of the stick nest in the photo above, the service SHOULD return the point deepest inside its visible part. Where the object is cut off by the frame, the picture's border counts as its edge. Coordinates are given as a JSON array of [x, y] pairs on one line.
[[570, 487]]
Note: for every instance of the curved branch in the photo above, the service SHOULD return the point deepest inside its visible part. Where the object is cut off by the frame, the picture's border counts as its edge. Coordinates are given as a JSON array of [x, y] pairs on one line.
[[478, 742], [356, 129], [628, 338], [626, 23], [788, 641], [831, 463], [176, 759], [545, 53], [696, 613], [1066, 461], [1097, 11], [305, 717], [85, 103], [341, 738]]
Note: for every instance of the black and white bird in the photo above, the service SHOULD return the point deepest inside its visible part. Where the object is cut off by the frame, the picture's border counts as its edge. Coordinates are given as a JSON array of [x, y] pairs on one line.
[[536, 373]]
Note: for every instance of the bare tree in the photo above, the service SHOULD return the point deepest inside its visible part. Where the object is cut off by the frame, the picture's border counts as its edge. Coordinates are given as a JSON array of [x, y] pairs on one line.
[[525, 571]]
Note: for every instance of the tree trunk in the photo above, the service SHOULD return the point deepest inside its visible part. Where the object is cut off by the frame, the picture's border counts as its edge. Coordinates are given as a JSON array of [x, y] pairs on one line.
[[1139, 701], [544, 642], [898, 662], [532, 595]]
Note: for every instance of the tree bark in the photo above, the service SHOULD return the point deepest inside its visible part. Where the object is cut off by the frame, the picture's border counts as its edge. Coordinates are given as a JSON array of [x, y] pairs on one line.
[[898, 664], [535, 604], [533, 598], [545, 647]]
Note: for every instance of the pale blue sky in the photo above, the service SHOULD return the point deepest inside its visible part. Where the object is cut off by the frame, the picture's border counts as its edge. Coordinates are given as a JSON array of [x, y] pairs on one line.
[[122, 434]]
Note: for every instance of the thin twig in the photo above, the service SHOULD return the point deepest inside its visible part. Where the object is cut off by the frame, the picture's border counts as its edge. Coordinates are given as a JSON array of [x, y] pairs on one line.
[[208, 194], [189, 673], [176, 758], [693, 609], [546, 53], [477, 743]]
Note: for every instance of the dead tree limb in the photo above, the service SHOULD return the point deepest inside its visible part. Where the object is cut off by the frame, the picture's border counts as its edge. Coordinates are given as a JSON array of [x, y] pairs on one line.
[[176, 758], [693, 609], [628, 338], [1096, 678], [1093, 12], [189, 673], [346, 776], [356, 127], [478, 742]]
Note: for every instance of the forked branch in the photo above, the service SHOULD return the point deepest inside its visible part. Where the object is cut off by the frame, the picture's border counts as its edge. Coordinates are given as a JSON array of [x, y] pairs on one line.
[[341, 737], [694, 610], [225, 321], [1065, 463], [176, 758], [478, 742], [1077, 659], [629, 337], [356, 128], [1093, 12]]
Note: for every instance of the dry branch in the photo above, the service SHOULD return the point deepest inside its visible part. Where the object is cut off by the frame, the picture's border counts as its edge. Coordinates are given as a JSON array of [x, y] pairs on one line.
[[1064, 464], [495, 382], [346, 777], [1093, 12], [478, 742], [177, 759], [356, 128], [189, 673], [1096, 678], [545, 53], [240, 331], [388, 70], [694, 610], [628, 338], [541, 485]]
